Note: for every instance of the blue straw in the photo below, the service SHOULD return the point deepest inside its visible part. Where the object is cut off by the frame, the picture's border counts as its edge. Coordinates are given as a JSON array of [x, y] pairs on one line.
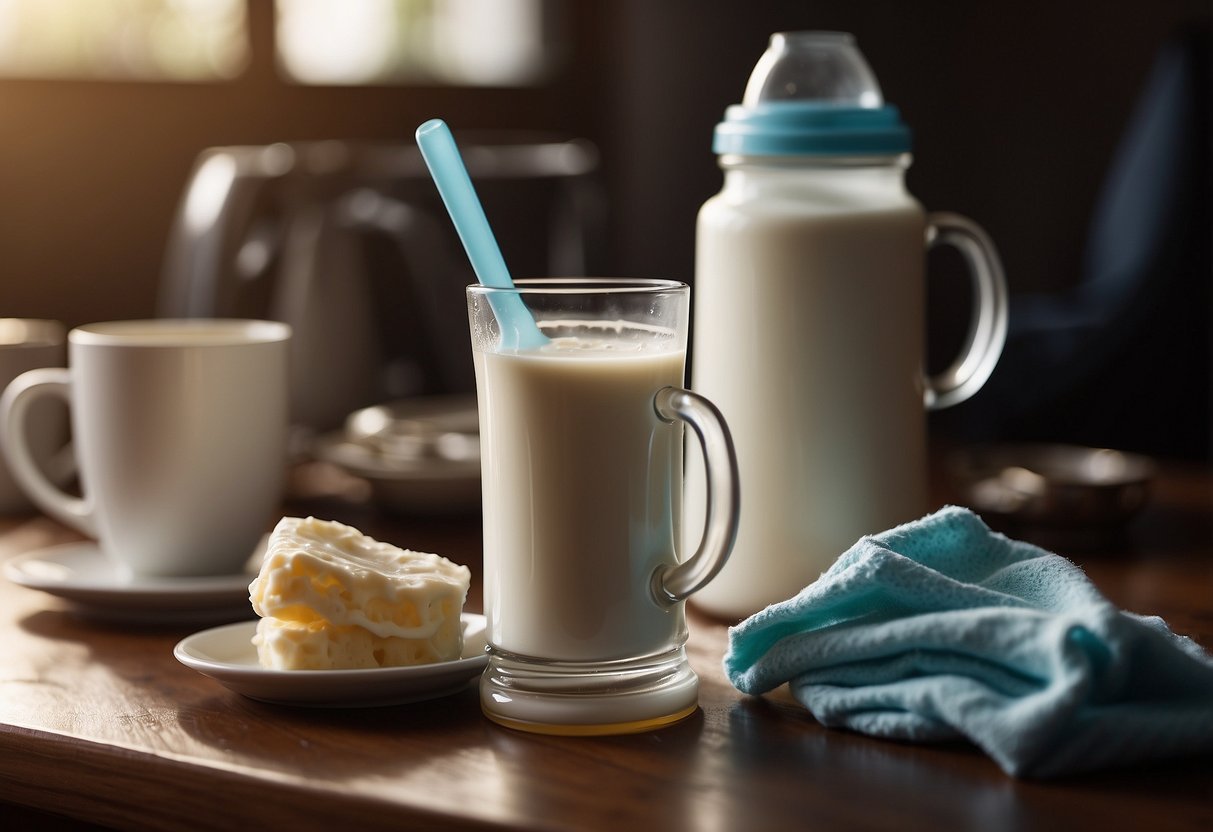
[[518, 328]]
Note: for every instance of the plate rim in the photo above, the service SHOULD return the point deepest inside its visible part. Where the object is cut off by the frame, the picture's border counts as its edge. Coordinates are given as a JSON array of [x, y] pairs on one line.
[[238, 677], [94, 593], [363, 463], [143, 599]]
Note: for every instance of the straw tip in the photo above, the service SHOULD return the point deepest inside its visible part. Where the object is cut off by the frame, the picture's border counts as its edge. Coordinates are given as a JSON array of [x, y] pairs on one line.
[[430, 126]]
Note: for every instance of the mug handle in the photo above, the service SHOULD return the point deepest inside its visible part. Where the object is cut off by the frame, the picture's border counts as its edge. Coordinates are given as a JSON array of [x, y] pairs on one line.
[[988, 325], [20, 394], [671, 584]]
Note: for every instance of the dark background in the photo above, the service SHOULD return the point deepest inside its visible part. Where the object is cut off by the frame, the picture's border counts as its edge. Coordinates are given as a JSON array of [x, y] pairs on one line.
[[1017, 109]]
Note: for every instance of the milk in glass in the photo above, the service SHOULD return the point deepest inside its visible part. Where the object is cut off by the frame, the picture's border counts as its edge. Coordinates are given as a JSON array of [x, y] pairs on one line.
[[582, 488]]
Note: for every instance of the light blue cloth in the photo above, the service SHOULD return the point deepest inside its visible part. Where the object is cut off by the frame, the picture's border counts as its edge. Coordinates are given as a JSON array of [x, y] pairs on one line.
[[942, 629]]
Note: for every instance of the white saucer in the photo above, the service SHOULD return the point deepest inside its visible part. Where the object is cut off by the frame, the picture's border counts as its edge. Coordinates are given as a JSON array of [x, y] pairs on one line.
[[227, 655], [95, 586]]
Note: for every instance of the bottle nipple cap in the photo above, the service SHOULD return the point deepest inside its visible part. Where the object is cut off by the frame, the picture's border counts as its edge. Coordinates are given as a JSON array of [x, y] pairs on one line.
[[825, 67], [812, 93]]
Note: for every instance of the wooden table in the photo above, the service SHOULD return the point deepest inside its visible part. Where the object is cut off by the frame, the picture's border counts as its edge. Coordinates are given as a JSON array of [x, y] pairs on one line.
[[102, 724]]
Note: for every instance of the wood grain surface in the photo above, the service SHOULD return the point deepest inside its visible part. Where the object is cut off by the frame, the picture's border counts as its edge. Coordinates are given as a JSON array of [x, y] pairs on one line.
[[100, 723]]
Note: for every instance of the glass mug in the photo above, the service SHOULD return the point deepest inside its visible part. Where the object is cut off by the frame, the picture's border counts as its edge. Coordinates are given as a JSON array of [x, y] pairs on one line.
[[582, 478]]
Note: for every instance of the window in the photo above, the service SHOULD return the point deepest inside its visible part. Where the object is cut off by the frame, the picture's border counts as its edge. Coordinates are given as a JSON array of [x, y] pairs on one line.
[[462, 42], [323, 42], [132, 40]]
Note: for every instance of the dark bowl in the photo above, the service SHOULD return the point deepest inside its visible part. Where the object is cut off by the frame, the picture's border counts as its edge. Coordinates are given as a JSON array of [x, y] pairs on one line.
[[1059, 486]]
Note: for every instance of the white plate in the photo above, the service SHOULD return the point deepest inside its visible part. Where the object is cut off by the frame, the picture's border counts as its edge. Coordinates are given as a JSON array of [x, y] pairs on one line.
[[96, 587], [227, 655]]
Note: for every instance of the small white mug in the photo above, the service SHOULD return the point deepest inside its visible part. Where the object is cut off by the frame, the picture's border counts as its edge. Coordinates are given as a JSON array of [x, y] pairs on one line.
[[26, 344], [179, 428]]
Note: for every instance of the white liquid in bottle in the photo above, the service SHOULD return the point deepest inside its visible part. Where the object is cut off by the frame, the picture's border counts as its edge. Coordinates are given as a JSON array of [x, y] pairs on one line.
[[808, 320]]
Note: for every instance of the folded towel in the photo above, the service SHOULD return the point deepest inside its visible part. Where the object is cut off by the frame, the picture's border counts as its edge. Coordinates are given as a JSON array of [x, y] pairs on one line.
[[942, 629]]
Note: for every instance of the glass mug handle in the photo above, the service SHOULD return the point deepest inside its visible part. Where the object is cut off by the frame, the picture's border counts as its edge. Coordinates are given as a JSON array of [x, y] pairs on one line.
[[671, 584], [988, 326]]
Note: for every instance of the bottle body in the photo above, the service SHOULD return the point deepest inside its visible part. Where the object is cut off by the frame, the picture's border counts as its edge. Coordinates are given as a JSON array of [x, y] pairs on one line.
[[809, 329]]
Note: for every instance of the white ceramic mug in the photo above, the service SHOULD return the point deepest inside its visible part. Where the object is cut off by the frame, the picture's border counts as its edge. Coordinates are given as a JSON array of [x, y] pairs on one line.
[[179, 429], [27, 344]]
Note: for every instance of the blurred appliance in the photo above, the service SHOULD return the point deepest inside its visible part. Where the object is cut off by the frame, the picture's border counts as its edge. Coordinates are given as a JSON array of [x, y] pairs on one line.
[[350, 245]]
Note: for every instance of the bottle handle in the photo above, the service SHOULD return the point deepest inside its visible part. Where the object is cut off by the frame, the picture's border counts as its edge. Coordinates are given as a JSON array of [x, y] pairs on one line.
[[988, 323], [20, 394], [671, 584]]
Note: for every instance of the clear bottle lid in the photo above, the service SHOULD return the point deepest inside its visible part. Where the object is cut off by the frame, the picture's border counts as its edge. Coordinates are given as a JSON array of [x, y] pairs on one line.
[[825, 67], [812, 93]]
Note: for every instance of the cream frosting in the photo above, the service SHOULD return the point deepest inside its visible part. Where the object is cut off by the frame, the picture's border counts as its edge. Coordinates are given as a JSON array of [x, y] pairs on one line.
[[331, 597]]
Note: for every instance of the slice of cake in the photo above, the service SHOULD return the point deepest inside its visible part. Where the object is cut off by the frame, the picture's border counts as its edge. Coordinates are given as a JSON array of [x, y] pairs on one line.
[[332, 598]]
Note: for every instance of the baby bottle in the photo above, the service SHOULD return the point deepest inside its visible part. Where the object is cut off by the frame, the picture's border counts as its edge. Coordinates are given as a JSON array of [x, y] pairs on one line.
[[809, 318]]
